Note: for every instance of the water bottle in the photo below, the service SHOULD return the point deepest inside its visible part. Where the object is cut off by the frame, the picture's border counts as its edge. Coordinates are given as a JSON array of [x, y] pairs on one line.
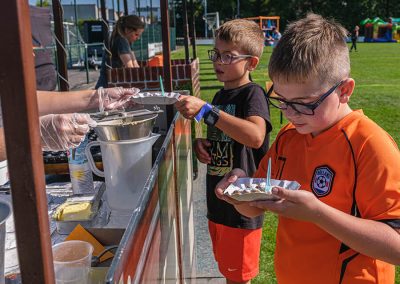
[[79, 170]]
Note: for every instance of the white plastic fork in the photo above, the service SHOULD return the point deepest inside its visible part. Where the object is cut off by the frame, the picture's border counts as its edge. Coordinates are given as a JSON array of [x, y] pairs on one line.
[[268, 186]]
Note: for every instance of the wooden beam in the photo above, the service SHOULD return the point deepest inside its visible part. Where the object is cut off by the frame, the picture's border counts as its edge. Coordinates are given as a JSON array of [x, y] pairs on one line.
[[165, 35], [192, 29], [23, 143], [186, 31], [104, 25], [126, 12], [60, 43]]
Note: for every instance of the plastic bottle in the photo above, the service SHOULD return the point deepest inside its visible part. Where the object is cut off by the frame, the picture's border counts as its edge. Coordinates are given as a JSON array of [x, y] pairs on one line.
[[79, 170]]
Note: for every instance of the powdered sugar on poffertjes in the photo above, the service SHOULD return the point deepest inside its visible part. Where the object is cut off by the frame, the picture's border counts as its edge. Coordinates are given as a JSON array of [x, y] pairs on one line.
[[250, 189]]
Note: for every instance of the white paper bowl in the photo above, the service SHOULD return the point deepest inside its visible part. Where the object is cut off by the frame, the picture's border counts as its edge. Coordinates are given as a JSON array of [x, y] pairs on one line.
[[240, 190]]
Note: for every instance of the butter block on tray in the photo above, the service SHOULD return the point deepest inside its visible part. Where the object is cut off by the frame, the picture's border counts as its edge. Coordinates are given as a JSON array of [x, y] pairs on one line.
[[78, 209], [74, 211], [156, 98], [251, 189]]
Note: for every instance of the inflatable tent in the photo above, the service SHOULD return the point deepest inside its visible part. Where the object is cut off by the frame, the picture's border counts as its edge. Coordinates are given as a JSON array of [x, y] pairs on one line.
[[377, 30]]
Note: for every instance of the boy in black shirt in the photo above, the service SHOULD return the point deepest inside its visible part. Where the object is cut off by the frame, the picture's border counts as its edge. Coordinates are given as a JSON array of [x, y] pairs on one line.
[[237, 136]]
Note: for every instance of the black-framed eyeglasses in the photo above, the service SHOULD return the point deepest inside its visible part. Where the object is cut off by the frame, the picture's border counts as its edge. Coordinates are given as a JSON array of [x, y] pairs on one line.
[[306, 109], [225, 58]]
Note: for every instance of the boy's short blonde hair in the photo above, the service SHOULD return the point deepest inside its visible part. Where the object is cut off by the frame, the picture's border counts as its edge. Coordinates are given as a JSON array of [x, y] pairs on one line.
[[244, 34], [309, 48]]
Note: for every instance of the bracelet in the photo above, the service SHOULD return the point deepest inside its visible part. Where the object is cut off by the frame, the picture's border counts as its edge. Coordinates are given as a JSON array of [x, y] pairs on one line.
[[205, 109]]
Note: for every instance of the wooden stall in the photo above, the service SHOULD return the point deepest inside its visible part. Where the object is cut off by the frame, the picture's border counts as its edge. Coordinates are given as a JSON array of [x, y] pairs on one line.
[[158, 243]]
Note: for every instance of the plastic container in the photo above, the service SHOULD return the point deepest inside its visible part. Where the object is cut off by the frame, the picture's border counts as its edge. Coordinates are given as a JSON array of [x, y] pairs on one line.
[[3, 172], [79, 170], [127, 165], [72, 261]]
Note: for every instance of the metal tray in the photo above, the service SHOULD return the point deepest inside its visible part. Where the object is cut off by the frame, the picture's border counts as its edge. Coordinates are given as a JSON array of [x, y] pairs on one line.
[[122, 115], [251, 189], [66, 227], [156, 98]]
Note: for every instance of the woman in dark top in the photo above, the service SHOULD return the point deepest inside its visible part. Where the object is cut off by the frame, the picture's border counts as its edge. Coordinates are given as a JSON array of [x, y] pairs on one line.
[[127, 30]]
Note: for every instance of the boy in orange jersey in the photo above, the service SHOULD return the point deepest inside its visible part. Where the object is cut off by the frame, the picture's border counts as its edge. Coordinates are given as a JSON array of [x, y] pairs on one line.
[[343, 225], [237, 136]]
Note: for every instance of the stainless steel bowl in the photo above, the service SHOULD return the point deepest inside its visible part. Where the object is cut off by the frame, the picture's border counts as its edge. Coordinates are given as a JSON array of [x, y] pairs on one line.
[[125, 128]]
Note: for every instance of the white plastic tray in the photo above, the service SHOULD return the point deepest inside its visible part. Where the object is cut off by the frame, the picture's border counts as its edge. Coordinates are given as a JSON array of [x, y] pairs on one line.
[[250, 189], [155, 98]]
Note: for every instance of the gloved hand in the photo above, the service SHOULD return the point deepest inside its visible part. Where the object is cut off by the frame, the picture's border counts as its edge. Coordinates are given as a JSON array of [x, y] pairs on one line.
[[115, 98], [60, 132]]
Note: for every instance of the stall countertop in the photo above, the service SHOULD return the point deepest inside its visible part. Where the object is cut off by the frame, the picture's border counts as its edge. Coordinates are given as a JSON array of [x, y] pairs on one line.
[[57, 193]]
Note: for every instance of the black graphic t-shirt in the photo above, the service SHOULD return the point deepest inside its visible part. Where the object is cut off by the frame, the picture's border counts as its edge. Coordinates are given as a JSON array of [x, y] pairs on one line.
[[227, 154]]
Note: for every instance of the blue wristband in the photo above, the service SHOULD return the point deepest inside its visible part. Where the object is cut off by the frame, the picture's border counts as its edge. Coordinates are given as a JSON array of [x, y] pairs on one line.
[[203, 111]]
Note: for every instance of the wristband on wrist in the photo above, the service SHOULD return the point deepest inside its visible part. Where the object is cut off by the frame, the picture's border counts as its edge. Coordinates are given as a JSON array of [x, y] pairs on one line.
[[205, 109], [212, 116]]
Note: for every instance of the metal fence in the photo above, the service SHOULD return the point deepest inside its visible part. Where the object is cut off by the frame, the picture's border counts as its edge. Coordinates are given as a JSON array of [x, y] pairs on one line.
[[83, 56]]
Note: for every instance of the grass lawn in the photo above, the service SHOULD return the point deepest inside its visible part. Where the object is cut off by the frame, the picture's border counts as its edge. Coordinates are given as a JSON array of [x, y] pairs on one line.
[[376, 70]]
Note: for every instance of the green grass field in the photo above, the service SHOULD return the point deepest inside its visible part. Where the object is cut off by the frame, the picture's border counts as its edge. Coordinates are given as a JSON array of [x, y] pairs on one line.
[[376, 70]]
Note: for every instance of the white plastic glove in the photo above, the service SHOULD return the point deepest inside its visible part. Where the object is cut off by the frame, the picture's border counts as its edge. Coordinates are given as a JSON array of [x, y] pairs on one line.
[[60, 132], [115, 98]]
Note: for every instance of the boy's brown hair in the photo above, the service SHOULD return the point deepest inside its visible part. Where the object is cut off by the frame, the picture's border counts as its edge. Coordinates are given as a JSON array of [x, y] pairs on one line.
[[244, 34], [312, 47]]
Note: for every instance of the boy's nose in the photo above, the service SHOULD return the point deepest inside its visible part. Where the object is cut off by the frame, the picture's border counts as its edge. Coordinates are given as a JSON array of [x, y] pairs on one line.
[[218, 61]]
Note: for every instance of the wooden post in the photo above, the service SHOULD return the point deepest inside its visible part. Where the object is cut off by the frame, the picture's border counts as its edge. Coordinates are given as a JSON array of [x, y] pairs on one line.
[[60, 43], [192, 29], [186, 31], [104, 25], [166, 55], [126, 12], [23, 143]]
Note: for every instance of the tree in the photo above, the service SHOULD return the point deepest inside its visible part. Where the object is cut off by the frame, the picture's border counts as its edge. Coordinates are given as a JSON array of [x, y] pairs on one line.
[[347, 12], [42, 3]]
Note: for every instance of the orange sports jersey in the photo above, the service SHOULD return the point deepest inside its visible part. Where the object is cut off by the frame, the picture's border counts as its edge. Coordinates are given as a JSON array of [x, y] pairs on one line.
[[354, 167]]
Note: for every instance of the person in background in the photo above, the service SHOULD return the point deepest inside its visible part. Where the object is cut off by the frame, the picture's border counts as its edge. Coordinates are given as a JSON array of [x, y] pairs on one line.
[[343, 224], [60, 127], [354, 38], [274, 37], [127, 30], [237, 136]]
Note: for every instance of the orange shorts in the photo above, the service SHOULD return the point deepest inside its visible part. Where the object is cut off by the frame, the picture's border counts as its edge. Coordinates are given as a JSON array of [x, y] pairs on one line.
[[237, 251]]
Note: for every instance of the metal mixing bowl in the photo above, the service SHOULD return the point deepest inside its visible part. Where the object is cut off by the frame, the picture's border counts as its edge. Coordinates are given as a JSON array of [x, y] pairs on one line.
[[125, 128]]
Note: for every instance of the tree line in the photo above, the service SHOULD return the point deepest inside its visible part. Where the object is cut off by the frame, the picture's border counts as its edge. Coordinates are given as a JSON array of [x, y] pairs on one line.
[[348, 12]]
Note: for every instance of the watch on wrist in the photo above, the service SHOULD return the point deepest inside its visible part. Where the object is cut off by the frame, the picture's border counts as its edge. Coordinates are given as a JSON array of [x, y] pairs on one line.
[[212, 116]]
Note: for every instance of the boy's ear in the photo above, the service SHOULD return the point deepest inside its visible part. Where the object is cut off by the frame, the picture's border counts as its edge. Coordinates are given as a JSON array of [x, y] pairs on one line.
[[346, 90], [253, 62]]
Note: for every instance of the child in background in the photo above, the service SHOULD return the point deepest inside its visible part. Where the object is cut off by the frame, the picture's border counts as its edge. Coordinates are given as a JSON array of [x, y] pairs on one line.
[[237, 136], [354, 38], [343, 225], [274, 37]]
